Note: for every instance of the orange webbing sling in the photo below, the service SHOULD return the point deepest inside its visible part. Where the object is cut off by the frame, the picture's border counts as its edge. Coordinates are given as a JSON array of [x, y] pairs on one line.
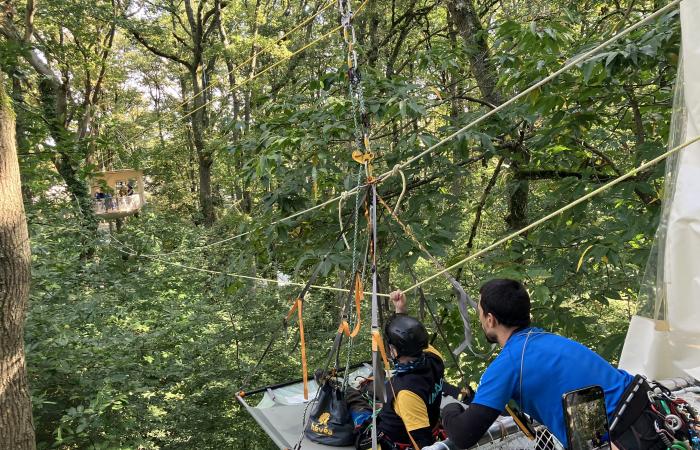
[[359, 295]]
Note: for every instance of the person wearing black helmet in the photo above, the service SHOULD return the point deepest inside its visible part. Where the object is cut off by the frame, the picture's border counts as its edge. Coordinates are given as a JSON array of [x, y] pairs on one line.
[[412, 410]]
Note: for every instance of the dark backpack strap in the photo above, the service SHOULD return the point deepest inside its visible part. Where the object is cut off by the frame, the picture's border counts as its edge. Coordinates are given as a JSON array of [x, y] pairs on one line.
[[632, 426], [633, 403]]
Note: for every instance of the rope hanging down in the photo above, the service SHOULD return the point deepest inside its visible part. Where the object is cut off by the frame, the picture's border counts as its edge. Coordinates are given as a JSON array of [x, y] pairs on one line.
[[431, 312], [463, 298], [299, 297], [576, 202], [379, 374], [363, 154], [298, 306], [576, 61]]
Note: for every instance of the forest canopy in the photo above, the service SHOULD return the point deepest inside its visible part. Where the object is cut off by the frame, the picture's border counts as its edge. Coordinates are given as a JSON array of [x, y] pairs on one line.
[[238, 113]]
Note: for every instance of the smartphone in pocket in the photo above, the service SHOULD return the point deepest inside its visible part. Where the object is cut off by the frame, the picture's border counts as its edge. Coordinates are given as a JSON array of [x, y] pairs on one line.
[[586, 419]]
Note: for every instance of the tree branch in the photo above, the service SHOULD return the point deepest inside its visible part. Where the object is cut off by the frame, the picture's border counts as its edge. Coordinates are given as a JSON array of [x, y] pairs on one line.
[[482, 203], [29, 21], [159, 52], [476, 100], [551, 174], [432, 178]]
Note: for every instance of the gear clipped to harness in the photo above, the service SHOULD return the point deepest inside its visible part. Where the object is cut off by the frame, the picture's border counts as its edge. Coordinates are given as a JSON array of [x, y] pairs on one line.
[[676, 422]]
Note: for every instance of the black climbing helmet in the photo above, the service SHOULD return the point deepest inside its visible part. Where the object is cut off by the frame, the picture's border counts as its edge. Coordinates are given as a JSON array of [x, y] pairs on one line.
[[407, 335]]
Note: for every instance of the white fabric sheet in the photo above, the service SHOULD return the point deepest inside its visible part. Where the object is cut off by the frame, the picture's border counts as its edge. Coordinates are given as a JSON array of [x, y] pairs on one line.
[[667, 344]]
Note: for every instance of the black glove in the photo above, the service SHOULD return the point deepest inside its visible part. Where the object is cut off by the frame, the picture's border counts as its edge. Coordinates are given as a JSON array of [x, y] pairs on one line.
[[451, 410]]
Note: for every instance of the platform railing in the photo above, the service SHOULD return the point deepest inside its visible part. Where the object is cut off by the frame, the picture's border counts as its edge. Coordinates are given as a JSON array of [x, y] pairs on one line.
[[118, 204]]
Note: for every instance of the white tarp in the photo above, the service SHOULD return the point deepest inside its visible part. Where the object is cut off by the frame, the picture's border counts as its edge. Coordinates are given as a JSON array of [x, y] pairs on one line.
[[282, 411], [664, 338]]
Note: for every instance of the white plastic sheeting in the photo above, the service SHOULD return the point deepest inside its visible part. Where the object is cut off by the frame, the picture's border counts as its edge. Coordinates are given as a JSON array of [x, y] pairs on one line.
[[663, 340]]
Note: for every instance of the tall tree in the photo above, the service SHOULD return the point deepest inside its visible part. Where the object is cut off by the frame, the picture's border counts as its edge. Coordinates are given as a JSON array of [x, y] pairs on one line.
[[194, 26], [16, 425], [71, 64], [475, 37]]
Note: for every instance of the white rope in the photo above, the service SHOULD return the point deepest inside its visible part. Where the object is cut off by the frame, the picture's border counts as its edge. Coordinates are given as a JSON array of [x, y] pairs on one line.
[[397, 168], [472, 124], [576, 202], [132, 252]]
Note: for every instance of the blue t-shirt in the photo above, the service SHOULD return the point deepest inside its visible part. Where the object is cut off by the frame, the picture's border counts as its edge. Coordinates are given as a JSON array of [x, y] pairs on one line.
[[551, 366]]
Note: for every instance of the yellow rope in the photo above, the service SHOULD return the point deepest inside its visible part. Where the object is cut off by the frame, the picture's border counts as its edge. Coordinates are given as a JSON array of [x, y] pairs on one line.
[[576, 202], [272, 66], [238, 66]]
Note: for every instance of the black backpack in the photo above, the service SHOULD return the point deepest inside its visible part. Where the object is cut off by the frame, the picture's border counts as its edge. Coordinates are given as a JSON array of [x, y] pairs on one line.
[[330, 422]]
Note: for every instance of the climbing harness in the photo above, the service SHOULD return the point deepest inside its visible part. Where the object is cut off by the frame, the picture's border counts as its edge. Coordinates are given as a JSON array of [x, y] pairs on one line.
[[676, 423]]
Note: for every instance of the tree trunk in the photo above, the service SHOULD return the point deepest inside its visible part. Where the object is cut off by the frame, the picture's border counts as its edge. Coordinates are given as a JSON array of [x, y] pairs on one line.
[[205, 198], [20, 129], [247, 107], [199, 124], [469, 26], [16, 425], [452, 79], [230, 75]]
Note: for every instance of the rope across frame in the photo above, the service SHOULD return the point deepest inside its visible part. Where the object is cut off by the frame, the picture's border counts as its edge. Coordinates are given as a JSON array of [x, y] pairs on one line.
[[384, 176]]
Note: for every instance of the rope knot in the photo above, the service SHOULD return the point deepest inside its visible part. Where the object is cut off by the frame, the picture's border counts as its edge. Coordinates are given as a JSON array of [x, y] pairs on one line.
[[396, 169]]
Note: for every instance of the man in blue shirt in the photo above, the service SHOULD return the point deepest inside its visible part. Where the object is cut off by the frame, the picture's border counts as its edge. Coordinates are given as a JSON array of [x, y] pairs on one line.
[[535, 368]]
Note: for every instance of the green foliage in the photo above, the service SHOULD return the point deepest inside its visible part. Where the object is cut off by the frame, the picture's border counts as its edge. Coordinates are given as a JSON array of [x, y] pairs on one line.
[[143, 343]]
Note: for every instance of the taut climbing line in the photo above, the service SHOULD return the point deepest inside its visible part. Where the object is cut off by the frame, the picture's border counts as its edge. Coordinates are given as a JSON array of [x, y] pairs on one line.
[[537, 85], [576, 202], [499, 108], [132, 252]]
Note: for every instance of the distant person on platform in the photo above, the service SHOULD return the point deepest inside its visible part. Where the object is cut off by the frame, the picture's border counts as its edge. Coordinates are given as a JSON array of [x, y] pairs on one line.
[[536, 368]]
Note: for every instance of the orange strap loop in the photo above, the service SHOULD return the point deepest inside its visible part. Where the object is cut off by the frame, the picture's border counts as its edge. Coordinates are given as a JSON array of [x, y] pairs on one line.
[[359, 295], [378, 344], [305, 372], [298, 307]]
